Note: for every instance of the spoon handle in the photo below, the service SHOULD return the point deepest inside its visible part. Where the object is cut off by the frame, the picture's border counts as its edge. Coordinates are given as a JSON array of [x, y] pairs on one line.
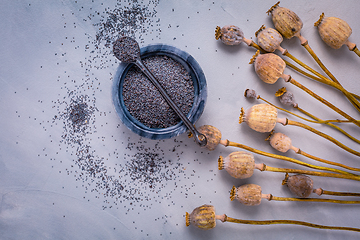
[[199, 137]]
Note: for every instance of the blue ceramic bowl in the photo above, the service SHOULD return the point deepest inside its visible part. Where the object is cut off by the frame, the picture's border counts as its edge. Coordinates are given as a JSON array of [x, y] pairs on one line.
[[200, 93]]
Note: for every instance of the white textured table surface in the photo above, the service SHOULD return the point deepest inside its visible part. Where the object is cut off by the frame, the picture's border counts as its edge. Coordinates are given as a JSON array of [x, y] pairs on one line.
[[56, 183]]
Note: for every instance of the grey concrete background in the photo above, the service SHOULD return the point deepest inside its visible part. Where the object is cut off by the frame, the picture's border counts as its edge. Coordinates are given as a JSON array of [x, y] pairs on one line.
[[49, 57]]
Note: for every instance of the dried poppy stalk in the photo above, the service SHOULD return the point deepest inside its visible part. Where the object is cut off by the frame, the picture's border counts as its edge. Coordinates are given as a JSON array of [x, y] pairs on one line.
[[282, 143], [241, 165], [302, 186], [204, 217], [251, 195], [232, 35]]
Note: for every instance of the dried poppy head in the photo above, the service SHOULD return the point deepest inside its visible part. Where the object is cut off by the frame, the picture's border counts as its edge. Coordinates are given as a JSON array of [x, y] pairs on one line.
[[260, 117], [286, 97], [229, 35], [202, 217], [334, 31], [248, 194], [212, 134], [269, 67], [269, 39], [239, 164], [300, 185], [285, 21], [250, 93], [279, 141]]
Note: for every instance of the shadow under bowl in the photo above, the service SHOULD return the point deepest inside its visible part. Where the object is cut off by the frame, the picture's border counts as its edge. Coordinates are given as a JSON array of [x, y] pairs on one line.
[[200, 92]]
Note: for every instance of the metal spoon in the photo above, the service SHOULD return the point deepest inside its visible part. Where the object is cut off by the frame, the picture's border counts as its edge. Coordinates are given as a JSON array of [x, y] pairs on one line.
[[127, 50]]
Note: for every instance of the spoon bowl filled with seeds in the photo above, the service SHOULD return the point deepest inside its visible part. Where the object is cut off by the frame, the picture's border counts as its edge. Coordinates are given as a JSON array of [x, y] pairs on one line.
[[140, 105]]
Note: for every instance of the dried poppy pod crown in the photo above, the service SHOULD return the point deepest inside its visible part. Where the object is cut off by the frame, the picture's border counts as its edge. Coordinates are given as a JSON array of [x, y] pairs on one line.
[[285, 21], [269, 39], [239, 164], [202, 217], [248, 194], [333, 31], [260, 117], [300, 185], [229, 35], [269, 67]]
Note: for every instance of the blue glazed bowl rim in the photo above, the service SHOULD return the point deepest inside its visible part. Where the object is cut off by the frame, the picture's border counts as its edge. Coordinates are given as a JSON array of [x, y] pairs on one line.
[[200, 94]]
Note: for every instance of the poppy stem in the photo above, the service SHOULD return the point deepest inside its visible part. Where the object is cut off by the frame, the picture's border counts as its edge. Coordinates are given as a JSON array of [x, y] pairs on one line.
[[328, 123], [225, 218], [263, 167], [320, 191], [356, 50], [270, 197], [327, 161], [320, 78]]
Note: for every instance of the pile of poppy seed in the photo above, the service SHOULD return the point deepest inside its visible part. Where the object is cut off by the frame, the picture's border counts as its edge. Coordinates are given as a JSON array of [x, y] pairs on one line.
[[126, 49], [145, 103]]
